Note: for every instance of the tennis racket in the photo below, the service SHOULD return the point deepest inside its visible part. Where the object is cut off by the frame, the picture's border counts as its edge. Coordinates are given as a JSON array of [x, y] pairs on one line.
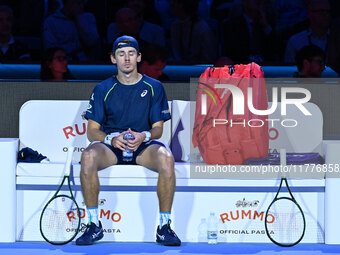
[[285, 222], [60, 218]]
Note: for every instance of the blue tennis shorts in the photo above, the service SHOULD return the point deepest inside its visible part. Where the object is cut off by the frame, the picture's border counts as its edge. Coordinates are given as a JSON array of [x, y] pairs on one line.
[[119, 153]]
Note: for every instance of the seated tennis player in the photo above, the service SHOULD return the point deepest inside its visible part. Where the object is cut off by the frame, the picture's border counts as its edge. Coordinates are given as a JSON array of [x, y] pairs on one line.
[[127, 103]]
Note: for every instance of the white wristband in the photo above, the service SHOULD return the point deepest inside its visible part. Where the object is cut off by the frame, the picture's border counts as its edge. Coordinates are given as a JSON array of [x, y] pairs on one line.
[[109, 137], [147, 136]]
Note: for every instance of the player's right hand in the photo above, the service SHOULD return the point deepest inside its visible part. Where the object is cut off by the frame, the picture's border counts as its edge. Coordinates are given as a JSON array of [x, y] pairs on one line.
[[119, 142]]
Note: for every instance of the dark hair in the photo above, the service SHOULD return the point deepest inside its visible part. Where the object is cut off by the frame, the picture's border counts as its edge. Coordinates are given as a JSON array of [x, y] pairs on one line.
[[307, 53], [154, 52], [45, 71]]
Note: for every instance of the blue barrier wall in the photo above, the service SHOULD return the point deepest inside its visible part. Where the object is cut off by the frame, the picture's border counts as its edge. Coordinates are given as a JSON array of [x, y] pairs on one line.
[[101, 72]]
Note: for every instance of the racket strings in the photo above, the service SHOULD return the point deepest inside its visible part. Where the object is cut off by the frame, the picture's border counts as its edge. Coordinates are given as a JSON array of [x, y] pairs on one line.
[[60, 220], [285, 222]]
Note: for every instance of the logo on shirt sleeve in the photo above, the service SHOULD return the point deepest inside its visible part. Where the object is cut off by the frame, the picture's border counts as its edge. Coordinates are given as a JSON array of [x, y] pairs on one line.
[[144, 93], [89, 107]]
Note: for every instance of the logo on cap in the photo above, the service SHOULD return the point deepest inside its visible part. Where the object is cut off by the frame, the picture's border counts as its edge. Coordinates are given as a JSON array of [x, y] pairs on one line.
[[125, 41]]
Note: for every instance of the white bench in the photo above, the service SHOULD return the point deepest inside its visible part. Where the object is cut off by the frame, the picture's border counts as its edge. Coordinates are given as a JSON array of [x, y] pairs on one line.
[[130, 213]]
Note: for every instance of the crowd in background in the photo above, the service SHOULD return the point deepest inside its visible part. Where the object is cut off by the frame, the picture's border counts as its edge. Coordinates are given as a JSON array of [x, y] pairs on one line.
[[190, 32]]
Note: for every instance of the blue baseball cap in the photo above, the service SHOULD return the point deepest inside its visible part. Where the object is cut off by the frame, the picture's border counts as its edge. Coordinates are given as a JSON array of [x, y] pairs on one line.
[[128, 41]]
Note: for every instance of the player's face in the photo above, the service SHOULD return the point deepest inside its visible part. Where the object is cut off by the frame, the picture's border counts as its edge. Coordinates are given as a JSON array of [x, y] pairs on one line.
[[126, 59]]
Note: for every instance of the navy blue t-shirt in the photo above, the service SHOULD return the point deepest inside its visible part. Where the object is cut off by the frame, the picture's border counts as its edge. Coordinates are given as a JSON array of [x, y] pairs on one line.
[[117, 107]]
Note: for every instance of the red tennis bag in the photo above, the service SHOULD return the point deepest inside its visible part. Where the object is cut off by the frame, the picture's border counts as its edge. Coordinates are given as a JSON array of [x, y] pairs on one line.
[[223, 132]]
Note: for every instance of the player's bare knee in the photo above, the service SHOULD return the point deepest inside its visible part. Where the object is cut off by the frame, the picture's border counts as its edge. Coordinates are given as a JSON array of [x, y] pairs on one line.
[[167, 163], [88, 158]]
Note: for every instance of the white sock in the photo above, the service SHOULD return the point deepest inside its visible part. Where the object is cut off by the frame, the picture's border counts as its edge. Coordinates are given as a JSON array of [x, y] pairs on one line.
[[164, 218], [93, 215]]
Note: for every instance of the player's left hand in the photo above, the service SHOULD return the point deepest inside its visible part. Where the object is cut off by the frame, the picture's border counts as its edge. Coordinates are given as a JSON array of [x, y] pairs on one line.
[[135, 143]]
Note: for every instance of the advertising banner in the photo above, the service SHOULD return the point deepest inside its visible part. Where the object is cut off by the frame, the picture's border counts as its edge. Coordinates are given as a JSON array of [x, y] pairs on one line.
[[62, 125], [133, 216]]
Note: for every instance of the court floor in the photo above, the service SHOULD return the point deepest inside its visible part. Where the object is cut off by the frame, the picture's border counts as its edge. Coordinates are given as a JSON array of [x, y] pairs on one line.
[[103, 248]]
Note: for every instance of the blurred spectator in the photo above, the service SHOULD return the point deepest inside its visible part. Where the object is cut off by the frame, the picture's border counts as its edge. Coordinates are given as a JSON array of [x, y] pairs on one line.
[[54, 65], [104, 11], [154, 59], [289, 13], [220, 9], [32, 14], [10, 49], [73, 30], [249, 36], [317, 33], [290, 18], [28, 26], [333, 48], [146, 10], [165, 11], [129, 23], [310, 61], [16, 7], [192, 40]]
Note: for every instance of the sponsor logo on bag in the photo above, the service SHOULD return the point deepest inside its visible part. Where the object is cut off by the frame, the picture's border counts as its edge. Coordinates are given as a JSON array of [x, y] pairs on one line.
[[238, 106]]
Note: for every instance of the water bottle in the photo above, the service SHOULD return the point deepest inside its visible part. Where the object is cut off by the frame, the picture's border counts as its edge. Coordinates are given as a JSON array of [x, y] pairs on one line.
[[212, 229], [202, 230], [128, 154]]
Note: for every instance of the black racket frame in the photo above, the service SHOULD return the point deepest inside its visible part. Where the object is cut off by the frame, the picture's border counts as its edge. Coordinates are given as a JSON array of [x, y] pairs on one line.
[[276, 198], [55, 196]]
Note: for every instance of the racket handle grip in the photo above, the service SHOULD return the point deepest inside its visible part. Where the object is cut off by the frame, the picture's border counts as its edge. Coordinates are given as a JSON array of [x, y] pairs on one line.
[[68, 163]]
